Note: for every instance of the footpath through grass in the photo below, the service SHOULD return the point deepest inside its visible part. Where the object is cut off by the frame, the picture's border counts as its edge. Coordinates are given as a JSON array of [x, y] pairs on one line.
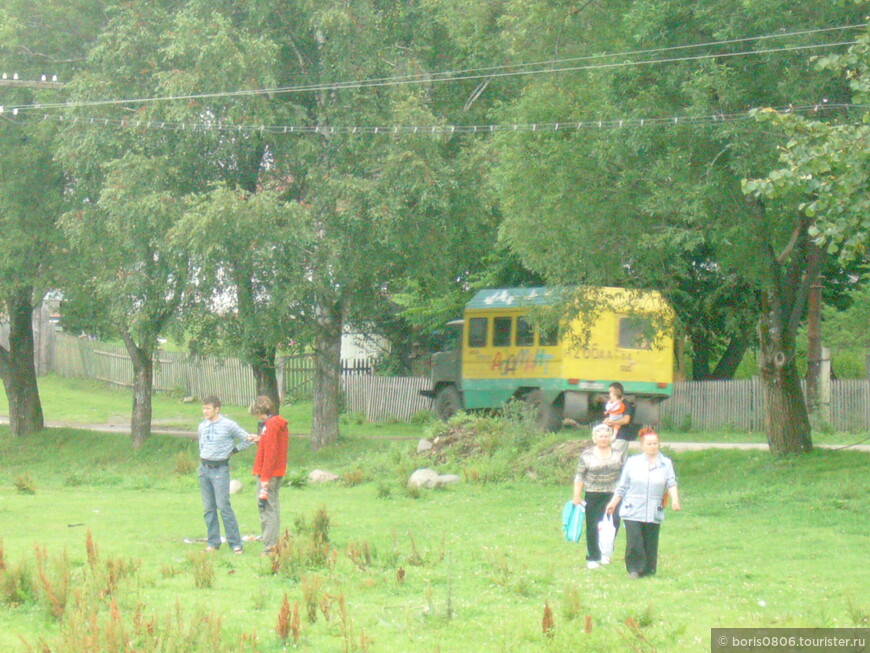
[[370, 566]]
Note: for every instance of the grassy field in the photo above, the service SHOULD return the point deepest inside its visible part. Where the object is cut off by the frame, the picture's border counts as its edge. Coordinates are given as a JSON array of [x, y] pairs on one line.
[[760, 542], [82, 402]]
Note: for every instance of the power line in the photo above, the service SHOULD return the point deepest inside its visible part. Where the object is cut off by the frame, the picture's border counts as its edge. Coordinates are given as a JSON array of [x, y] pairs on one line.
[[630, 53], [542, 127], [551, 67]]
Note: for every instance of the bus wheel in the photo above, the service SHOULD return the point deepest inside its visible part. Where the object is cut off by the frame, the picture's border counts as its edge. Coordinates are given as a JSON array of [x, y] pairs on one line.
[[447, 402], [549, 416]]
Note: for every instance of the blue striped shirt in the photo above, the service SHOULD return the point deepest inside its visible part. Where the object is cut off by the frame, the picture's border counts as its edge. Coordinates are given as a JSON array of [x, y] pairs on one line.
[[218, 439]]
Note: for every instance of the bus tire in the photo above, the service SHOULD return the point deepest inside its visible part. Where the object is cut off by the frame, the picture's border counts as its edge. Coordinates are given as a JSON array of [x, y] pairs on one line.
[[549, 416], [447, 402]]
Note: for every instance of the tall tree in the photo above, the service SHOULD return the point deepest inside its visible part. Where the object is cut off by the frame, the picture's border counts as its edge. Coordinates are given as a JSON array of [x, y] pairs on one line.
[[363, 206], [372, 205], [822, 182], [245, 253], [131, 189], [632, 205], [130, 267], [37, 40]]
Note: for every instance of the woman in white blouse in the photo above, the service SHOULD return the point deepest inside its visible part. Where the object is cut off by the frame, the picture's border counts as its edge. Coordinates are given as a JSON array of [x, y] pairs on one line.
[[598, 471]]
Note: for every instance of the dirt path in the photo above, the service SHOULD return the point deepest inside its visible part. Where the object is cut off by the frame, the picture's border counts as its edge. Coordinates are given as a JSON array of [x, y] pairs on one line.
[[673, 446]]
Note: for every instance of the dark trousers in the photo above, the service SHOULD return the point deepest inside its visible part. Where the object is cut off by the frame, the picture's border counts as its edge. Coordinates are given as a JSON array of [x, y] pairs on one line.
[[596, 502], [641, 547]]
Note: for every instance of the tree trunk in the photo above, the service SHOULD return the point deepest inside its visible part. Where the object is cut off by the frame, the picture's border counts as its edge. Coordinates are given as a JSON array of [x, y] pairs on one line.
[[728, 364], [143, 384], [814, 328], [327, 378], [700, 356], [17, 367], [786, 420], [265, 373]]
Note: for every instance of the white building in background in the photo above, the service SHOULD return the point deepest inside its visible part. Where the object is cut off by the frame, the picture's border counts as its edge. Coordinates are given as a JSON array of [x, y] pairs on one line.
[[361, 346]]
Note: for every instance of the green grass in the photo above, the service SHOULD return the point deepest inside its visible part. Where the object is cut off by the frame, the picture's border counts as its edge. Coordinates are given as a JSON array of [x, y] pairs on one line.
[[84, 402], [760, 542]]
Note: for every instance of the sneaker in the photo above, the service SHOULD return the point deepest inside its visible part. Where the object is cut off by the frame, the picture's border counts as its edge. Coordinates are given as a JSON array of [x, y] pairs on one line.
[[633, 574], [605, 560], [591, 565]]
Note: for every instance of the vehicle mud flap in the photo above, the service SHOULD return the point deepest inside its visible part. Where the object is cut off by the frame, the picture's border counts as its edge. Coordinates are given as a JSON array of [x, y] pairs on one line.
[[576, 405]]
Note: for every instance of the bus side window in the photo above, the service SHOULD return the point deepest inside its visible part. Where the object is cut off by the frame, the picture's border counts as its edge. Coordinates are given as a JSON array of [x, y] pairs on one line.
[[634, 333], [501, 331], [549, 337], [477, 328], [525, 333]]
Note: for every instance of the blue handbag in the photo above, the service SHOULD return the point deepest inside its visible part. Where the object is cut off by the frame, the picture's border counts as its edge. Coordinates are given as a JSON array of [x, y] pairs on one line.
[[572, 521]]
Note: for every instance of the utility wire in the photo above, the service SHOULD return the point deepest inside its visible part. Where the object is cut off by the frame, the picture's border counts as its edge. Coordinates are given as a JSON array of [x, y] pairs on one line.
[[555, 66], [627, 53], [542, 127]]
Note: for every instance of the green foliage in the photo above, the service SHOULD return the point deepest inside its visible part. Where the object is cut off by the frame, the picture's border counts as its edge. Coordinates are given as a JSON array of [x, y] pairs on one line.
[[296, 478], [849, 328], [825, 164], [25, 484], [202, 567]]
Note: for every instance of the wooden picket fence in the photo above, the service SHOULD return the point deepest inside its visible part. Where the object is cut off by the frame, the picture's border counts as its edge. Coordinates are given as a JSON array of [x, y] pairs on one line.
[[195, 376], [740, 405], [695, 405], [383, 398]]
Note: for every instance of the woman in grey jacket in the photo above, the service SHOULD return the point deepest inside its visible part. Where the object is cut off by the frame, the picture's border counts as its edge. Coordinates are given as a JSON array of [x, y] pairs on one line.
[[642, 486]]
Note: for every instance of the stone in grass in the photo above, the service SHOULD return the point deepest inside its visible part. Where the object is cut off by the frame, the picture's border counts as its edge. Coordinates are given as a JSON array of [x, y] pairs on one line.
[[423, 445], [428, 478], [321, 476]]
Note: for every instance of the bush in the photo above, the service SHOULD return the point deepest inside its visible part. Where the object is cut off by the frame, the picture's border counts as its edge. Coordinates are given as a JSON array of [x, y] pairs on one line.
[[296, 478], [184, 464], [24, 483], [422, 417]]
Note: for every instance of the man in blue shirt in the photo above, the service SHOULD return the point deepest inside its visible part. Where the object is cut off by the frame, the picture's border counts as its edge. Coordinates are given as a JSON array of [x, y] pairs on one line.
[[219, 438]]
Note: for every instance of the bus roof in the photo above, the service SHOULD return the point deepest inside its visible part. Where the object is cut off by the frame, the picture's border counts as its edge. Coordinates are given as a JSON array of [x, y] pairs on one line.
[[515, 297], [501, 298]]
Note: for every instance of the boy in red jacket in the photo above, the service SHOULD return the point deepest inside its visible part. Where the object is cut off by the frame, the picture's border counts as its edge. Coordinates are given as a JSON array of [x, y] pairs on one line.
[[270, 466]]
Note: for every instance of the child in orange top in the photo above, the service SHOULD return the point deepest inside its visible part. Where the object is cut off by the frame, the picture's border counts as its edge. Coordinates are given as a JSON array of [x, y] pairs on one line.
[[614, 410], [270, 465]]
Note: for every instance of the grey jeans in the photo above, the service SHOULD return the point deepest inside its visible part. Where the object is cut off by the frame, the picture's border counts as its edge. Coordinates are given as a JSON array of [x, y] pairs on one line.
[[214, 484], [270, 515]]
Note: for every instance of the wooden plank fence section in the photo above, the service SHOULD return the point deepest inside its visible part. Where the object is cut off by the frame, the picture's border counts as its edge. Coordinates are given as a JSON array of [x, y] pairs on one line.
[[850, 405], [296, 373], [385, 397], [695, 406], [707, 405]]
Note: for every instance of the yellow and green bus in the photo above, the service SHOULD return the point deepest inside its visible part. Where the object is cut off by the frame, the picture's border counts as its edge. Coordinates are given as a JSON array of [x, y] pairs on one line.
[[499, 355]]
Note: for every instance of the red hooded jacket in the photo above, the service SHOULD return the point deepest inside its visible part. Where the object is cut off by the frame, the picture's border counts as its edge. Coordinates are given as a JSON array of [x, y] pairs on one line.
[[271, 457]]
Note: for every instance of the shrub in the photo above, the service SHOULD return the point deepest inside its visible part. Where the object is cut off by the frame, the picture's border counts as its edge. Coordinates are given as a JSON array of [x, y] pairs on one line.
[[203, 569], [16, 584], [296, 478], [352, 418], [352, 477], [384, 491], [24, 483], [184, 464], [422, 417]]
